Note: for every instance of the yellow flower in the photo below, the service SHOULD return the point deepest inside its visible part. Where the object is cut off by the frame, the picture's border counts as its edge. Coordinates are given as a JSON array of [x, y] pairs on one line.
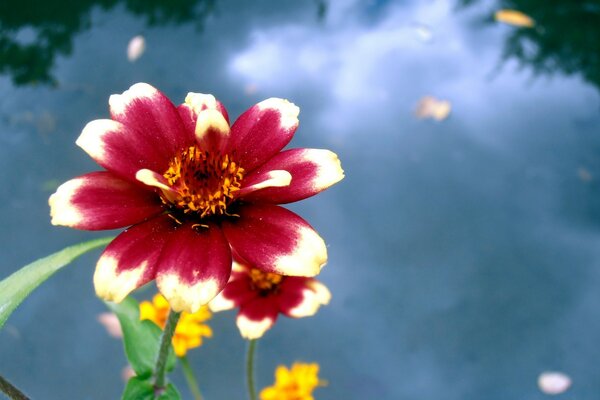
[[190, 328], [296, 383]]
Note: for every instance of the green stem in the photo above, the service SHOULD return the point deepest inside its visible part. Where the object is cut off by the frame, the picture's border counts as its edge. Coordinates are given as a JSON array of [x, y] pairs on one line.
[[190, 378], [12, 392], [163, 352], [250, 369]]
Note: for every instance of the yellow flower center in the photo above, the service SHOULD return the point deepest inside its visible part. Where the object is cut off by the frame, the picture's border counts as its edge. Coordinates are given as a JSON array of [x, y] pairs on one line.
[[264, 280], [205, 183]]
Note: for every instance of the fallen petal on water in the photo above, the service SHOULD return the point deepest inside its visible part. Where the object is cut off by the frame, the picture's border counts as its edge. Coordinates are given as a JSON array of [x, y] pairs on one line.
[[111, 323], [430, 107], [554, 382], [136, 48], [515, 18], [584, 174]]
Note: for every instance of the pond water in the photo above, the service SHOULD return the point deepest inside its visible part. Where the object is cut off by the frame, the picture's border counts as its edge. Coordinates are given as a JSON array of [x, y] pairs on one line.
[[464, 255]]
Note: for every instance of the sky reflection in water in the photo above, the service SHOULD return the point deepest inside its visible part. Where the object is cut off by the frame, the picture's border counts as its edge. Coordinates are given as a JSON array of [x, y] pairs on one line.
[[463, 253]]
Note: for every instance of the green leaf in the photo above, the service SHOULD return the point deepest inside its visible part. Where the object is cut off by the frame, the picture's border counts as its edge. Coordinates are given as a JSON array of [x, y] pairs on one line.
[[140, 338], [138, 389], [15, 288], [170, 394], [143, 389]]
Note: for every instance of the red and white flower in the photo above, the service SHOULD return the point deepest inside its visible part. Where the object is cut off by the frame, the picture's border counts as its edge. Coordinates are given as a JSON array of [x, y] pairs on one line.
[[190, 188], [261, 296]]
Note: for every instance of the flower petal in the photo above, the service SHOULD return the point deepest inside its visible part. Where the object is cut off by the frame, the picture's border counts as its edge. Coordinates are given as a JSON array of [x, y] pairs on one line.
[[101, 200], [275, 178], [237, 291], [276, 240], [312, 171], [146, 109], [262, 131], [123, 149], [212, 130], [194, 266], [302, 297], [129, 261], [256, 317], [194, 103]]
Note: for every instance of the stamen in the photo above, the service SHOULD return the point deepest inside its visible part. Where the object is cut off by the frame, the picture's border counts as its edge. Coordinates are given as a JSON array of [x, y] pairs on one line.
[[204, 183], [265, 280]]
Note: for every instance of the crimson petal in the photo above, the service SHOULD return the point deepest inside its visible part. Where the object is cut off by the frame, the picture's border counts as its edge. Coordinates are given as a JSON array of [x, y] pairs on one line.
[[312, 171], [148, 110], [194, 266], [129, 261], [262, 131], [101, 200], [276, 240], [257, 316]]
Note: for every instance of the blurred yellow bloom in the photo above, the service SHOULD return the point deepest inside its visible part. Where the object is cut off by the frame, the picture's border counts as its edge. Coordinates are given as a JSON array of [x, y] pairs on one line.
[[296, 383], [190, 328]]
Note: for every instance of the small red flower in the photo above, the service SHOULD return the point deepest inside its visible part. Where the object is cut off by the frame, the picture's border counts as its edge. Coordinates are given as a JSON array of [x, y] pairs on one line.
[[261, 296], [191, 188]]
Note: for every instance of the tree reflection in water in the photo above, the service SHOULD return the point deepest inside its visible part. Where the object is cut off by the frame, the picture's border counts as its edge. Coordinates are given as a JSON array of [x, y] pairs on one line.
[[33, 33], [565, 39]]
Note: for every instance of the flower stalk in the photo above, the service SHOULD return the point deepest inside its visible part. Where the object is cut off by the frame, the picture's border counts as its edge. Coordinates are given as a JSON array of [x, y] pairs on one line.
[[163, 352], [250, 369], [11, 391], [190, 378]]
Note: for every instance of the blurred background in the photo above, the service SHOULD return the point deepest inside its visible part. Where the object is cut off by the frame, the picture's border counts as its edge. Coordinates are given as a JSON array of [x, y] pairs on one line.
[[464, 255]]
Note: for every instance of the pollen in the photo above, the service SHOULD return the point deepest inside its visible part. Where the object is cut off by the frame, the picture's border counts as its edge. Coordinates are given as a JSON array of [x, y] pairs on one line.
[[202, 182], [264, 280]]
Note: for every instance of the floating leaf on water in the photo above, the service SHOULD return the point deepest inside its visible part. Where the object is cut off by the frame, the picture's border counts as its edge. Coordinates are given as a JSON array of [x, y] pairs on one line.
[[250, 89], [554, 382], [136, 48], [515, 18], [111, 323], [431, 107], [584, 174], [423, 32]]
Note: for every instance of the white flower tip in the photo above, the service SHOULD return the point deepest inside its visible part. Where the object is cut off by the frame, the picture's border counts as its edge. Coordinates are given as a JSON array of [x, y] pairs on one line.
[[251, 329], [151, 178], [309, 257], [201, 101], [113, 285], [187, 297], [91, 137], [322, 292], [211, 119], [220, 303], [287, 110], [118, 102], [62, 210], [329, 170]]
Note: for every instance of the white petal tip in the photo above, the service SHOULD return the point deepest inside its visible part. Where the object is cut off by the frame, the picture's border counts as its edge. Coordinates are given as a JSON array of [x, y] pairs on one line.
[[329, 170], [211, 119], [250, 329], [309, 257], [288, 111], [200, 101], [62, 210], [220, 303], [114, 286], [185, 297], [153, 179]]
